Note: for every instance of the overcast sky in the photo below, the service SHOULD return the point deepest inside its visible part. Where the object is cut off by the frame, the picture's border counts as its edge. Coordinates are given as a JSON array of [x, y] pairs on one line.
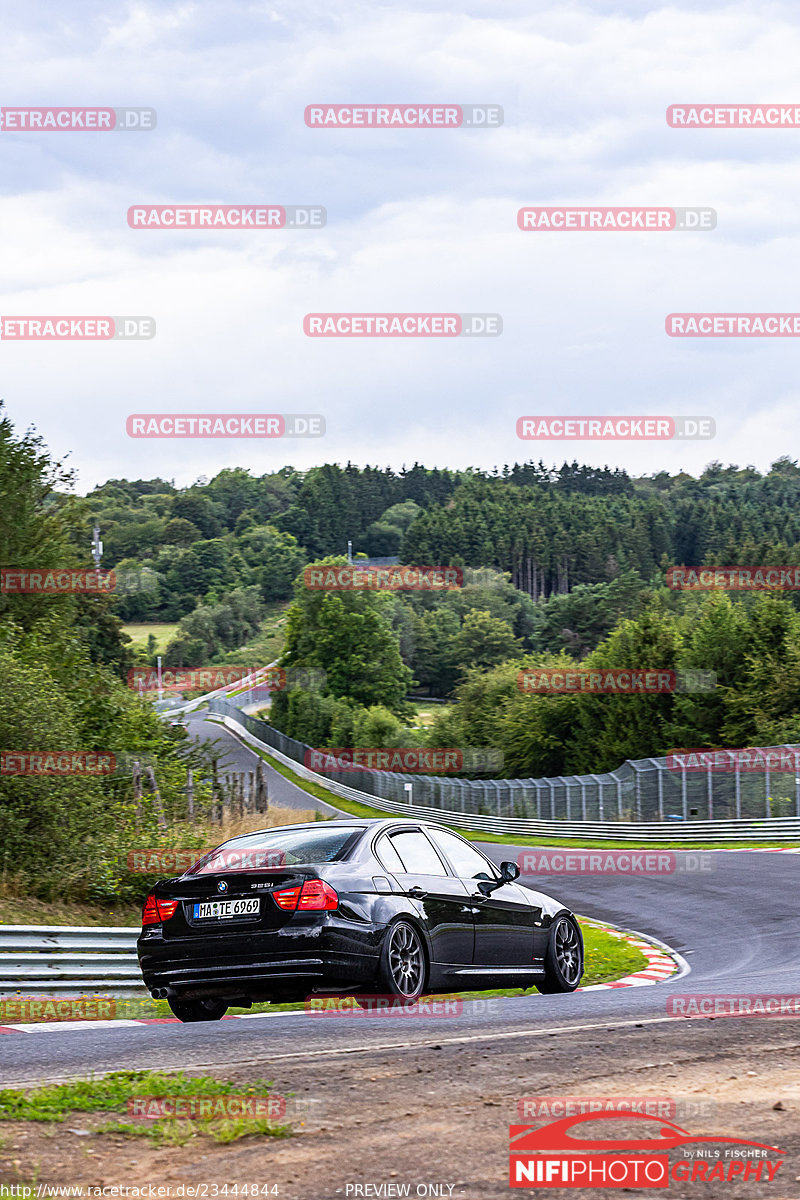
[[418, 220]]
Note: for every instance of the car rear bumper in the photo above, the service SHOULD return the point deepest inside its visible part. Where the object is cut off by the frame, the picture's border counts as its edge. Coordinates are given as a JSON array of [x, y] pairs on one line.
[[258, 970]]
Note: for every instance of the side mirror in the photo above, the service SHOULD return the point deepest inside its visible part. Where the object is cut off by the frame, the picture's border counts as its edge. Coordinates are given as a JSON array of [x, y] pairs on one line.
[[509, 871]]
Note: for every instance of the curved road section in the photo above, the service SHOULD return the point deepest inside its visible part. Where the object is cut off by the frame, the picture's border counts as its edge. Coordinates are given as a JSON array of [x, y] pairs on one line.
[[734, 917]]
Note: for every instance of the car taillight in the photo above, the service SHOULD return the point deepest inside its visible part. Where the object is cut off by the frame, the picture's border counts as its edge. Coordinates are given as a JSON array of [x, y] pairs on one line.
[[315, 896], [155, 911], [287, 898]]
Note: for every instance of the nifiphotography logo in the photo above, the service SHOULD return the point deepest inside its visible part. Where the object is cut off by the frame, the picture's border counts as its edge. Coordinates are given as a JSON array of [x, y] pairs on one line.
[[564, 1154]]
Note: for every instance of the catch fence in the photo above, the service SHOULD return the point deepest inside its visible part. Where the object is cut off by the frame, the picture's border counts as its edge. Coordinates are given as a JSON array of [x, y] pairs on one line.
[[641, 791]]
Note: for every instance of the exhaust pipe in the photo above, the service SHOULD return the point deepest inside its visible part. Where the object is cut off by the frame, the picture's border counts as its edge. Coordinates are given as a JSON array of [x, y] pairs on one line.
[[160, 993]]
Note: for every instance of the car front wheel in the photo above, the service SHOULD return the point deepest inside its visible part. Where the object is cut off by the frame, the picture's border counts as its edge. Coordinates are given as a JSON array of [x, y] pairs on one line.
[[563, 962], [198, 1010]]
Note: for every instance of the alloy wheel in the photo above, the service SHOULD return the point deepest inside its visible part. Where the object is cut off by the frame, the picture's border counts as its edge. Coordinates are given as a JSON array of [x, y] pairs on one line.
[[406, 960], [568, 951]]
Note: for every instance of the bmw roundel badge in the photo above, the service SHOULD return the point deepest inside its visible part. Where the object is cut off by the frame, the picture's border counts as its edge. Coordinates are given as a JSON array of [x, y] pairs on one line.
[[222, 886]]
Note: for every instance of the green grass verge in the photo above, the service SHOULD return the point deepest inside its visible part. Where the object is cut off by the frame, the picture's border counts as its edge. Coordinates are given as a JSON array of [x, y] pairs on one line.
[[139, 632], [27, 910], [512, 839], [111, 1093]]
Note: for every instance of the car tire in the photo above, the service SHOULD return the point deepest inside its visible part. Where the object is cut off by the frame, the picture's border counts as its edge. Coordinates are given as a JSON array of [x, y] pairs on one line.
[[563, 962], [403, 968], [198, 1010]]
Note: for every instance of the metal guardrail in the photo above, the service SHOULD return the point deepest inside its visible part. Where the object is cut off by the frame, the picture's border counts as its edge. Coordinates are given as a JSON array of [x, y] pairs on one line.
[[187, 706], [78, 959], [708, 830]]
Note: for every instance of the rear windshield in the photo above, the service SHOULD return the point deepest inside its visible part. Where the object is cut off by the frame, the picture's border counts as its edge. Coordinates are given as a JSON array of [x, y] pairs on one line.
[[276, 848]]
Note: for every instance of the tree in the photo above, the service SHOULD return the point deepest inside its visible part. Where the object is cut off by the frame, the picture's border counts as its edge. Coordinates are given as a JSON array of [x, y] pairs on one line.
[[613, 727], [350, 636], [764, 707], [32, 532], [180, 532], [715, 640], [375, 728], [434, 660], [484, 641]]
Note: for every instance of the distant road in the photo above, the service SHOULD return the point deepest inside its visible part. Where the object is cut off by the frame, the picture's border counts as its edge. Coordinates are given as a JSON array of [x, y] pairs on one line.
[[235, 756]]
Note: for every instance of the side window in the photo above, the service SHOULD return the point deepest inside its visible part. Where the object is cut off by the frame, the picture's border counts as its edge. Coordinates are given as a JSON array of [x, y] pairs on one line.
[[467, 863], [417, 854], [387, 854]]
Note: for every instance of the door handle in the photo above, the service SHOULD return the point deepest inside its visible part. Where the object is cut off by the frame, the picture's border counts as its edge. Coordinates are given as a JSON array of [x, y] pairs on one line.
[[417, 892]]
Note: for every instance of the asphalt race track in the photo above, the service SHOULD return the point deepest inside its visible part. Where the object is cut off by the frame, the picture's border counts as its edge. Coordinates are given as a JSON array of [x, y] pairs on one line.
[[236, 756], [736, 923]]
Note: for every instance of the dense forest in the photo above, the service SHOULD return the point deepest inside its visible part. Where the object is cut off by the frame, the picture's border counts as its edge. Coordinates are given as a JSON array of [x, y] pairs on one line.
[[562, 566], [472, 644], [551, 529]]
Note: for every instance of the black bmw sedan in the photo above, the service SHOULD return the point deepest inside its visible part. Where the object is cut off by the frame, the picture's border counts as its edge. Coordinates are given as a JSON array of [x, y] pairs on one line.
[[394, 907]]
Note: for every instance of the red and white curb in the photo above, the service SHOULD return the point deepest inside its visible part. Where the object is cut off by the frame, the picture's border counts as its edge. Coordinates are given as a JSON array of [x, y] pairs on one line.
[[662, 961]]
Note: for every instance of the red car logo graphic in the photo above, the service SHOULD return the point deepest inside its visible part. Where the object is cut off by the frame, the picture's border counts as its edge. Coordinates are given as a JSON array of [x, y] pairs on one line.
[[557, 1137]]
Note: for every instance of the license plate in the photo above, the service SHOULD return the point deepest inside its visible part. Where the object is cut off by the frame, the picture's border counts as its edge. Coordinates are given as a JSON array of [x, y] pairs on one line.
[[221, 910]]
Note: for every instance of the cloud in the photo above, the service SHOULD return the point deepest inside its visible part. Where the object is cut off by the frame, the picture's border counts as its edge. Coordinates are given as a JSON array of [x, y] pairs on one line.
[[417, 221]]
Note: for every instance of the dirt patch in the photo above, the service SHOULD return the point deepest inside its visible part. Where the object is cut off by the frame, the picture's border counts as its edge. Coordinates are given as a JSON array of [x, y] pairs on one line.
[[440, 1116]]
